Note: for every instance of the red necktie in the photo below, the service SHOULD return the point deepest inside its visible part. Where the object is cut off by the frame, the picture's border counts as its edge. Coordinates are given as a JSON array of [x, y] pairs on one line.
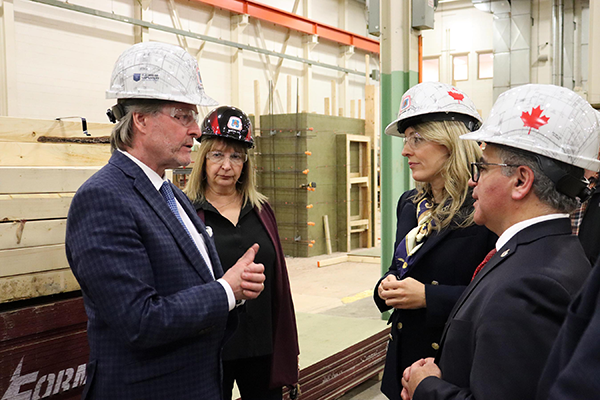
[[485, 261]]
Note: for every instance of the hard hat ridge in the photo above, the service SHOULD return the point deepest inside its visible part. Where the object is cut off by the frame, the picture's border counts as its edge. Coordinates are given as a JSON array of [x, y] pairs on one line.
[[229, 123], [434, 101], [548, 120], [153, 70]]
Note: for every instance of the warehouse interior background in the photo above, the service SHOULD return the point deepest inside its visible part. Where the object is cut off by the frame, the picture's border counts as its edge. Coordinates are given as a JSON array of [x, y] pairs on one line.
[[320, 78]]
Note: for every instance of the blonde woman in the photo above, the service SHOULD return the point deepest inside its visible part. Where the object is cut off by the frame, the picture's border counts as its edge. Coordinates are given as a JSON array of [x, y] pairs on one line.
[[438, 246], [262, 354]]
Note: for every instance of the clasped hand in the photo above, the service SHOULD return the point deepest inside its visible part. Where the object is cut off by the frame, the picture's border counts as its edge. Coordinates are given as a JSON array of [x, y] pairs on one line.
[[414, 374], [404, 294], [246, 277]]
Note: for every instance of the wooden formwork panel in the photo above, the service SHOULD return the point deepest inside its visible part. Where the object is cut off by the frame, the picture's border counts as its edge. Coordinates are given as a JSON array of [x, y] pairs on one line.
[[53, 154], [32, 259], [17, 207], [37, 284], [15, 180], [23, 233], [30, 129]]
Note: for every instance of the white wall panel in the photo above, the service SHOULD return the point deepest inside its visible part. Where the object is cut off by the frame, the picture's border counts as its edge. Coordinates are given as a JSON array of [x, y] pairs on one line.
[[65, 59], [462, 29]]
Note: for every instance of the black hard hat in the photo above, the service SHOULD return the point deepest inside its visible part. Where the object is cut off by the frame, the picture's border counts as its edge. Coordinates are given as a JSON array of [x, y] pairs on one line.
[[229, 123]]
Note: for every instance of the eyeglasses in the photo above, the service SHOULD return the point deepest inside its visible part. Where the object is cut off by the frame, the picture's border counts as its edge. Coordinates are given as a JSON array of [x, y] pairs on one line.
[[477, 167], [414, 140], [185, 116], [218, 157]]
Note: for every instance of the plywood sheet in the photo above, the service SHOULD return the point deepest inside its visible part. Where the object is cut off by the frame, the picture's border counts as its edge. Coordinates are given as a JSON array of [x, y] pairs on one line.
[[53, 154], [32, 259], [37, 284], [16, 207], [43, 179], [21, 234], [14, 129]]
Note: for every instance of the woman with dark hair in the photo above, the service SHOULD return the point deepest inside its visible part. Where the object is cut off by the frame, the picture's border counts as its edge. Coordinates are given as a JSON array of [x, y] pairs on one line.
[[438, 246], [262, 355]]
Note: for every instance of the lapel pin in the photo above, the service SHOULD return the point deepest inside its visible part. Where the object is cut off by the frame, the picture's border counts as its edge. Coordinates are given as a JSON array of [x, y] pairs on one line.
[[505, 253], [209, 231]]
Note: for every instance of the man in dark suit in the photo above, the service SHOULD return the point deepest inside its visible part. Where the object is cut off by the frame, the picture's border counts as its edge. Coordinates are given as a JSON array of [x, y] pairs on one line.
[[159, 306], [536, 143], [573, 367]]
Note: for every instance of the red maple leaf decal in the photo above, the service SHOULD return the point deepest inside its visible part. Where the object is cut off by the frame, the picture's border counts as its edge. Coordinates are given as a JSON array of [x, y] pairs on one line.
[[535, 119], [456, 96]]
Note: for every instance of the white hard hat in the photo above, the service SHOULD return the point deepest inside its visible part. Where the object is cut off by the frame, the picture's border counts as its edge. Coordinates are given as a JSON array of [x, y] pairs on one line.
[[544, 119], [160, 71], [433, 101]]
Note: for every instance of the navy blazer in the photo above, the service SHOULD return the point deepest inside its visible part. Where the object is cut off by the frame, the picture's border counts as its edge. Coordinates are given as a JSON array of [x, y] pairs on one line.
[[573, 367], [156, 317], [500, 332], [445, 264]]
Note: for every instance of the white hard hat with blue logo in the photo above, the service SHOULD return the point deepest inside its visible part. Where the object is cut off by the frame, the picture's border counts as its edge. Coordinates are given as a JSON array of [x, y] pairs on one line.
[[153, 70]]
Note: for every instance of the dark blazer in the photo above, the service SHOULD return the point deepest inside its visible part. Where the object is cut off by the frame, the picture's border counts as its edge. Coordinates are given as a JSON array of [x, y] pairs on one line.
[[573, 367], [445, 264], [500, 332], [156, 317]]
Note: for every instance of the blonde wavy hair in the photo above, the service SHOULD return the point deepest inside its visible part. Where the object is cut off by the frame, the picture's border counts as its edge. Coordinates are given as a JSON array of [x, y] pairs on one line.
[[246, 184], [455, 171]]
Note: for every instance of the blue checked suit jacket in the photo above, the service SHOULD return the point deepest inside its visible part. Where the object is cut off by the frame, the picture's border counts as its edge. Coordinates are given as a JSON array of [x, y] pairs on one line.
[[156, 317]]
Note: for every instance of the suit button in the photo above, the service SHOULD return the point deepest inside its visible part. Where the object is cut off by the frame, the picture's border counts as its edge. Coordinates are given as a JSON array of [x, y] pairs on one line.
[[435, 283], [435, 346], [390, 337], [399, 326]]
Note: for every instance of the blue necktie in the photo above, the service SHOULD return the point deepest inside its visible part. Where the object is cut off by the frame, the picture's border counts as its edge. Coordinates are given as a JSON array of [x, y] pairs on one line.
[[167, 193]]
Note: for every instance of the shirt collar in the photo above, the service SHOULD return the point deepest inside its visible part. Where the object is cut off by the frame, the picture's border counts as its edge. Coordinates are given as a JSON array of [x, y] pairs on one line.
[[519, 226], [156, 180]]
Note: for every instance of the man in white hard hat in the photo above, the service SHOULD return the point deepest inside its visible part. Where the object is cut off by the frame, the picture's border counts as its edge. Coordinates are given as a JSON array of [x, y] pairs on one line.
[[159, 306], [536, 144]]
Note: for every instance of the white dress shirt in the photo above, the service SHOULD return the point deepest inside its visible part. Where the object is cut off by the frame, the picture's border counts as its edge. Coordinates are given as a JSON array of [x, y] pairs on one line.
[[157, 182]]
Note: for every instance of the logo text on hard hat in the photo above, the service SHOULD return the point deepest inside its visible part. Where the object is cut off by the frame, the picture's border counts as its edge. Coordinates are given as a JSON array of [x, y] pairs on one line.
[[234, 123], [456, 96], [405, 103], [145, 77], [534, 119]]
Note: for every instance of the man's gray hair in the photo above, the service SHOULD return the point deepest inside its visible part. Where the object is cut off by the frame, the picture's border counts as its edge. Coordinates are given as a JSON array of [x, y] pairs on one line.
[[122, 134], [543, 187]]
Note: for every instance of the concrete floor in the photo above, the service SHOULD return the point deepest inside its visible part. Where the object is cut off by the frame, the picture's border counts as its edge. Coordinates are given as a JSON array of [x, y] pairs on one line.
[[335, 309]]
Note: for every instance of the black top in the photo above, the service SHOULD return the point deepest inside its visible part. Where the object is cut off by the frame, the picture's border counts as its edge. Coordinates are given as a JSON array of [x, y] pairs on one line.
[[253, 336]]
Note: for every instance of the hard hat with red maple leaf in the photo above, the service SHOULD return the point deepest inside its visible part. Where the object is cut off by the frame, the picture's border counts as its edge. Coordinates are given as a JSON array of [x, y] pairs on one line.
[[548, 120], [434, 101]]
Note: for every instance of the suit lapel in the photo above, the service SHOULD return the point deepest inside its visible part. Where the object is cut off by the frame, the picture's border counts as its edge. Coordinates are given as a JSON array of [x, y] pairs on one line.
[[561, 226], [212, 250], [142, 184]]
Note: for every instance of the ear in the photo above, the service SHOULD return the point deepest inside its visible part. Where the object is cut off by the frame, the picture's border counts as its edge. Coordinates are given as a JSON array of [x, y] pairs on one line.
[[140, 122], [522, 182]]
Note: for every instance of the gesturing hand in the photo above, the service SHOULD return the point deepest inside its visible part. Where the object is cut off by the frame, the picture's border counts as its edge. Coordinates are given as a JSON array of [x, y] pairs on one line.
[[246, 278]]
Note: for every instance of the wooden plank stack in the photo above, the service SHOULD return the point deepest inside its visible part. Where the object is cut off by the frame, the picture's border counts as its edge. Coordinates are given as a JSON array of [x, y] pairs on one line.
[[42, 164]]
